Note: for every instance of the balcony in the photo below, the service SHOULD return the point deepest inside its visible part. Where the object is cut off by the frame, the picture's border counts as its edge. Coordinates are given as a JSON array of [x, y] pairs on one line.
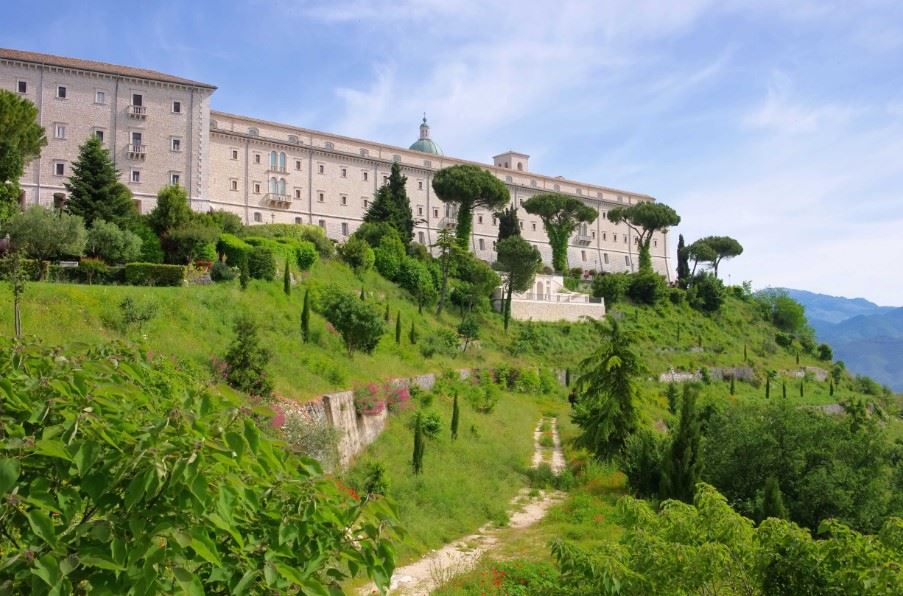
[[449, 221], [139, 112], [583, 239], [276, 169], [137, 151], [277, 200]]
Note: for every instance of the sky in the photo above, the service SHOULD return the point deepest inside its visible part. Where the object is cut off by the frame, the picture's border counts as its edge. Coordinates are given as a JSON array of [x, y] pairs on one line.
[[777, 122]]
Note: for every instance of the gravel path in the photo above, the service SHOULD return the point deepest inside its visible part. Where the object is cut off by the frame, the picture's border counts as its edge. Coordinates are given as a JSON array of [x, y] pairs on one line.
[[439, 566]]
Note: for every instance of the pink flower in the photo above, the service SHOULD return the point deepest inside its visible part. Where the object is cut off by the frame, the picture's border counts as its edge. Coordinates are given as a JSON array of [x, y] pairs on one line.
[[278, 420]]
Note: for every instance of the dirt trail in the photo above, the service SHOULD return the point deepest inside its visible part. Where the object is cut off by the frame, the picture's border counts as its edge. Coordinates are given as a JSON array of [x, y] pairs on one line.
[[439, 566]]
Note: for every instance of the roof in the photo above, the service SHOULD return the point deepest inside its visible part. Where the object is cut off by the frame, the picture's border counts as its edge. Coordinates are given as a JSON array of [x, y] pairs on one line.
[[101, 67], [426, 146]]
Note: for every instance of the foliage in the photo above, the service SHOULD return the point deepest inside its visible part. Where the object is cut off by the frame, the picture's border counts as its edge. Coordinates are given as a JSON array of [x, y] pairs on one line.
[[784, 312], [706, 293], [372, 232], [683, 263], [646, 287], [773, 501], [305, 318], [469, 187], [391, 205], [112, 244], [425, 426], [224, 221], [469, 331], [16, 276], [682, 463], [606, 390], [138, 479], [95, 192], [151, 274], [441, 343], [43, 234], [262, 263], [415, 277], [21, 140], [641, 462], [560, 215], [611, 287], [135, 313], [287, 279], [456, 418], [645, 218], [294, 233], [724, 247], [825, 353], [700, 252], [520, 260], [508, 223], [388, 255], [306, 255], [360, 324], [170, 213], [233, 249], [191, 241], [357, 254], [222, 272], [247, 360], [151, 249]]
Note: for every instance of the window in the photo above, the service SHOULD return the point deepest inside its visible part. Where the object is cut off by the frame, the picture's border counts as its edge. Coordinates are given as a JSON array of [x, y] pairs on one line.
[[427, 163], [365, 152], [482, 244], [533, 183], [136, 176], [176, 144], [274, 160], [235, 154], [282, 161], [344, 228], [605, 215], [366, 175], [366, 203], [435, 213], [274, 186], [59, 168], [282, 190], [605, 236], [256, 158], [136, 138], [329, 145], [321, 197], [344, 172], [321, 223], [137, 99], [100, 97], [233, 184], [533, 223], [655, 243], [344, 199], [419, 209], [257, 217], [297, 220], [420, 238], [625, 238], [495, 220], [321, 169], [61, 92], [420, 185], [556, 187], [99, 134], [298, 164], [620, 199], [509, 179], [253, 132], [396, 158], [493, 245], [176, 107], [520, 167], [605, 257], [583, 255], [257, 188], [579, 191], [627, 260], [59, 131], [174, 178], [22, 86], [297, 193], [293, 139], [614, 237], [479, 219], [594, 234]]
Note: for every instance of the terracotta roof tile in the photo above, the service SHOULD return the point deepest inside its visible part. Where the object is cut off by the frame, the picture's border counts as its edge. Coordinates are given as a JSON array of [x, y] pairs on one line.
[[102, 67]]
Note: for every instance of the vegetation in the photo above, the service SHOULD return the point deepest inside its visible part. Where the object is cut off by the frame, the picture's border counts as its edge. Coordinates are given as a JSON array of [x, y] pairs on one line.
[[21, 141], [44, 235], [520, 260], [246, 361], [560, 215], [360, 324], [391, 206], [645, 218], [469, 187], [95, 192], [508, 223]]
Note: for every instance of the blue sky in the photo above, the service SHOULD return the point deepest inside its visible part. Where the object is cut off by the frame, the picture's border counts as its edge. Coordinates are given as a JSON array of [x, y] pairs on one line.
[[777, 122]]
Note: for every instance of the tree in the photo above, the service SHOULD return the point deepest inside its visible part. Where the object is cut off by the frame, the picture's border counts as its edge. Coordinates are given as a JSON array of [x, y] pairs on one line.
[[21, 140], [671, 395], [425, 426], [95, 192], [391, 205], [412, 334], [683, 263], [521, 260], [605, 392], [16, 277], [244, 276], [508, 223], [113, 244], [386, 315], [358, 255], [287, 279], [305, 318], [724, 247], [469, 331], [447, 246], [247, 360], [456, 417], [683, 463], [42, 234], [415, 277], [560, 215], [360, 324], [194, 240], [469, 187], [170, 213], [773, 500], [645, 219], [700, 252], [398, 327]]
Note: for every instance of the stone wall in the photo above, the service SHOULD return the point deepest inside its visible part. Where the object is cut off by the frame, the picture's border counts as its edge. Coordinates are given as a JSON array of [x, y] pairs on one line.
[[555, 311]]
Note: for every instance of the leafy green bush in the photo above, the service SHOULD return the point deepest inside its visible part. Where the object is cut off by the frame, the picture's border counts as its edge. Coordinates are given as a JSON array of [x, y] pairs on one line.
[[89, 271], [415, 277], [234, 249], [45, 235], [706, 293], [151, 249], [646, 287], [641, 462], [262, 263], [441, 343], [222, 272], [359, 323], [357, 254], [677, 296], [388, 255], [151, 274], [139, 479], [112, 244], [373, 232], [612, 287], [298, 232], [306, 255]]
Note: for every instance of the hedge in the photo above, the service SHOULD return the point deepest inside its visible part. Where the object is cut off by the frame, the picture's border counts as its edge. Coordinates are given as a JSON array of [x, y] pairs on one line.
[[89, 271], [151, 274], [262, 263], [233, 248]]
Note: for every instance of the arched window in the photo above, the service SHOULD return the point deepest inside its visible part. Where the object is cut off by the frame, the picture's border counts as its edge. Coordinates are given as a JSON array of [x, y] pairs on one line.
[[274, 186], [282, 161], [273, 159], [520, 167], [282, 185]]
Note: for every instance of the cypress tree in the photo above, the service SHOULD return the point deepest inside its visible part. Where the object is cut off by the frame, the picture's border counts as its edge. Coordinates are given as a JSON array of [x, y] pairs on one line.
[[417, 457], [678, 332], [95, 192], [398, 328], [784, 389], [733, 386], [567, 377], [767, 387], [672, 396], [797, 358], [745, 356], [245, 275], [831, 388], [387, 316], [305, 318], [802, 388], [391, 205], [683, 465], [363, 295], [456, 414], [773, 500], [287, 280], [412, 334], [683, 263]]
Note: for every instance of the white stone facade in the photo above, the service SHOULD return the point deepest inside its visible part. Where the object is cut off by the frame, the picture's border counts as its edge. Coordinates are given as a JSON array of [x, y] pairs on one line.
[[323, 179], [549, 300]]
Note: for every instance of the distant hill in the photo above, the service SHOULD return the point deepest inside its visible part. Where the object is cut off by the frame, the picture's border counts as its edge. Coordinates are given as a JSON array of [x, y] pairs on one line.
[[867, 337]]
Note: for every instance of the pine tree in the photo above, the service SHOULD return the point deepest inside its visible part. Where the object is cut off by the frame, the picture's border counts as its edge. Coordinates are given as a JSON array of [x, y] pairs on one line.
[[412, 334], [391, 205], [95, 192], [773, 500], [247, 360], [244, 274], [508, 223], [672, 396], [683, 465], [456, 414], [398, 328], [683, 263], [287, 280], [305, 318]]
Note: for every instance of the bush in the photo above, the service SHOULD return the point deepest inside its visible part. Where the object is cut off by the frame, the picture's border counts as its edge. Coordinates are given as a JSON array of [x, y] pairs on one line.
[[359, 323], [89, 271], [262, 263], [612, 287], [825, 353], [151, 274], [415, 277], [222, 272], [373, 232], [357, 254], [223, 221], [247, 361], [706, 293], [151, 249], [389, 255], [112, 244], [641, 462], [677, 296], [45, 235], [646, 287], [297, 232], [442, 343], [192, 241], [305, 255], [234, 249]]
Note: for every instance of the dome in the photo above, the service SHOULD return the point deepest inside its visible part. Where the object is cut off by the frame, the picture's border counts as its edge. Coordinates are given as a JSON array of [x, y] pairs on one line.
[[425, 144]]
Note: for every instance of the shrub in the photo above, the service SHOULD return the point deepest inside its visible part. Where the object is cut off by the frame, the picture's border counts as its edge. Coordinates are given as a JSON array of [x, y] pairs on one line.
[[234, 249], [389, 255], [222, 272], [442, 343], [612, 287], [357, 254], [192, 241], [262, 263], [646, 287], [306, 255], [359, 323], [825, 353], [296, 232], [151, 249], [369, 400], [677, 296], [374, 232], [641, 462], [112, 244], [151, 274], [247, 361], [89, 271], [706, 293], [415, 277], [223, 221], [134, 313], [45, 235]]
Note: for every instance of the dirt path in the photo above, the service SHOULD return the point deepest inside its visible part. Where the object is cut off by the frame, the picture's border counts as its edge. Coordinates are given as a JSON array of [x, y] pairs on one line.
[[439, 566]]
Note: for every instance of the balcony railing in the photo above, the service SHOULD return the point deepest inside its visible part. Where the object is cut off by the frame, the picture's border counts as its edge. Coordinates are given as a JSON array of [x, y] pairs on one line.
[[137, 111], [583, 238], [277, 169], [137, 151], [449, 221], [277, 200]]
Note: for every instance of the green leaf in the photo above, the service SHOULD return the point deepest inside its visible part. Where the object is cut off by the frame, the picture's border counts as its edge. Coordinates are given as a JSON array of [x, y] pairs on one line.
[[85, 457], [204, 547], [9, 474], [236, 443], [245, 582], [42, 526], [289, 573], [52, 448], [48, 570], [100, 561], [252, 434], [189, 582]]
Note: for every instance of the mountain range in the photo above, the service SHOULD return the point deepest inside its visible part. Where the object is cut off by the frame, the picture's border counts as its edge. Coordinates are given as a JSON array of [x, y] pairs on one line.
[[867, 337]]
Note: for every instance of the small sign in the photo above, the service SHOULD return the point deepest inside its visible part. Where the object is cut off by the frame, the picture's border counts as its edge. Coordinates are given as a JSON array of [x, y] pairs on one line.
[[68, 264]]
